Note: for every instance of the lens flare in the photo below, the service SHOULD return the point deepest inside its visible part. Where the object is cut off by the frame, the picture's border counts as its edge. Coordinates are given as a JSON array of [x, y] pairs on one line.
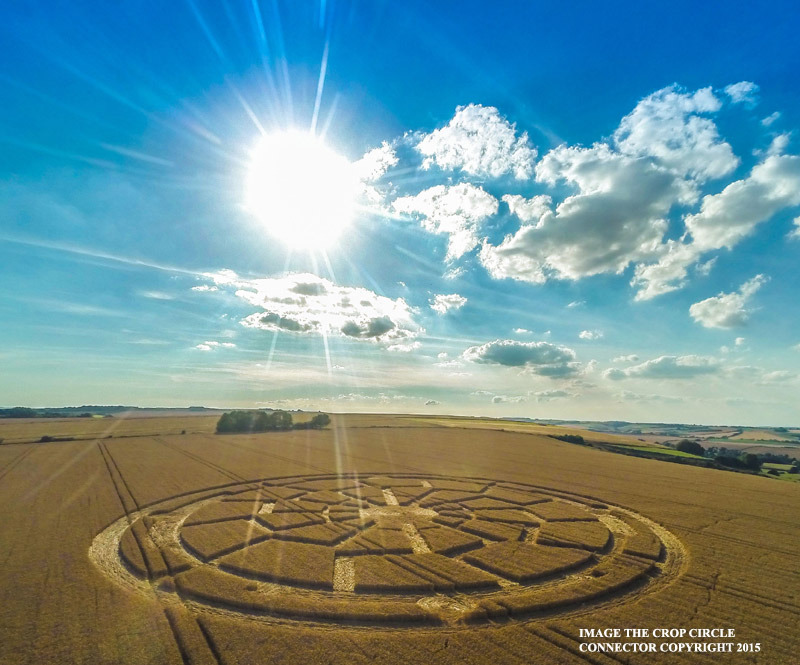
[[302, 191]]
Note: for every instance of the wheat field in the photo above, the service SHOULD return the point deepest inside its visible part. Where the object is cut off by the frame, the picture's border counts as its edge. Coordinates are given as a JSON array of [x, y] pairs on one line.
[[379, 540]]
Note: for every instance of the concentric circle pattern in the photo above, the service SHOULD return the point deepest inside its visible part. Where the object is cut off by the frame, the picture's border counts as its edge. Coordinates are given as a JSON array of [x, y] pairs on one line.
[[393, 550]]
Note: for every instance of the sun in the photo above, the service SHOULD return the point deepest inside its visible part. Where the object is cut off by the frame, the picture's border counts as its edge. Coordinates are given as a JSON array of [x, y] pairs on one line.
[[303, 192]]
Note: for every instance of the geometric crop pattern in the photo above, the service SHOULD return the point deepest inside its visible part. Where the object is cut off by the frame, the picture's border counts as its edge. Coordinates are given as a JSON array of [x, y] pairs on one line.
[[399, 550]]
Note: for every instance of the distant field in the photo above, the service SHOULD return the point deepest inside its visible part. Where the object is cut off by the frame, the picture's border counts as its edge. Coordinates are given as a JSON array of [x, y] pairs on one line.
[[750, 435], [380, 540], [14, 430], [739, 441], [523, 428]]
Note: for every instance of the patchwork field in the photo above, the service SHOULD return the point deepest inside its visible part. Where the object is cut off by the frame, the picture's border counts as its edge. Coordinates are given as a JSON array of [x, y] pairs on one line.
[[379, 540]]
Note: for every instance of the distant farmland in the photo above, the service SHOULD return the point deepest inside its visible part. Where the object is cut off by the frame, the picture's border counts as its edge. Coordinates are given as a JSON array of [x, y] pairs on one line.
[[382, 539]]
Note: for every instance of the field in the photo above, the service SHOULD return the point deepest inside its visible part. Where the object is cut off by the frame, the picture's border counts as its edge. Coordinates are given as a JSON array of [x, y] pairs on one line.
[[382, 539]]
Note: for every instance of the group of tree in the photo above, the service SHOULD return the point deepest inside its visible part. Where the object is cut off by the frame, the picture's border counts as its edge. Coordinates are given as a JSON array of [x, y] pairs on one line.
[[25, 412], [746, 461], [18, 412], [569, 438], [266, 421], [690, 447], [731, 458]]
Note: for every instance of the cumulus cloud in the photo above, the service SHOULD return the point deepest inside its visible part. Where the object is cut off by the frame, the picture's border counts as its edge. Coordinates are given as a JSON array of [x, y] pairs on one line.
[[727, 310], [590, 334], [667, 367], [204, 288], [626, 188], [770, 119], [308, 304], [375, 163], [528, 210], [480, 142], [723, 221], [457, 211], [617, 216], [432, 402], [540, 358], [443, 303], [743, 92], [670, 126], [725, 218]]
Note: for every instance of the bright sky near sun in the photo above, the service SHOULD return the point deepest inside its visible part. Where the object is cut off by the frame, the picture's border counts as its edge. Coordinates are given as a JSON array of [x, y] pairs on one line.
[[548, 210]]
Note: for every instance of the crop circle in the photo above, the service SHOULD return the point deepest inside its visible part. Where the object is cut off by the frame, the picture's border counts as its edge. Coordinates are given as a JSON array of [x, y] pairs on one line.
[[389, 550]]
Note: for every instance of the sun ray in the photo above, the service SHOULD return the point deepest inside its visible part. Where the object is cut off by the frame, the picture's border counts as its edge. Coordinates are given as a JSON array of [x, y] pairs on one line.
[[323, 68]]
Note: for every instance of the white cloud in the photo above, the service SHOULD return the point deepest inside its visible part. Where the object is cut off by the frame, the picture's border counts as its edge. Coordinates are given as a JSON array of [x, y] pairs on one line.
[[404, 347], [795, 232], [522, 331], [480, 142], [723, 221], [625, 190], [590, 334], [528, 210], [617, 216], [667, 367], [443, 303], [541, 358], [457, 210], [454, 273], [628, 396], [770, 119], [704, 269], [669, 126], [156, 295], [375, 163], [576, 303], [204, 288], [211, 345], [779, 376], [659, 154], [742, 92], [725, 218], [549, 395], [308, 304], [739, 341], [432, 402], [632, 358], [727, 310], [509, 399]]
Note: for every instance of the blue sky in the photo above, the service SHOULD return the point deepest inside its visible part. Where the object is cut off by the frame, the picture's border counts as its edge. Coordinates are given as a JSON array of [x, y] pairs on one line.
[[583, 212]]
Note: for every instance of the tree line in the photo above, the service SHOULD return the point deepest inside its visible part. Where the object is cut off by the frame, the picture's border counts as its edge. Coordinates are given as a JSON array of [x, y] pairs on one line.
[[732, 458], [266, 421]]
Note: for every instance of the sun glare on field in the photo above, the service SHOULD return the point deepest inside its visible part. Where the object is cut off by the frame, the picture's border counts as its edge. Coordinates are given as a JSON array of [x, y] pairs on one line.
[[301, 190]]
